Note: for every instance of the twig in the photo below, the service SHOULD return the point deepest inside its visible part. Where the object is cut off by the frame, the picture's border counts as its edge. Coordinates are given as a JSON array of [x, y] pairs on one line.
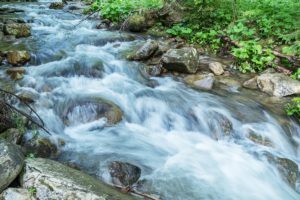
[[129, 189]]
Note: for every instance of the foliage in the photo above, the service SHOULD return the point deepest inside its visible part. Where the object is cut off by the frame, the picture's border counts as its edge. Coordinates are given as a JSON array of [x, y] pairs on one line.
[[20, 123], [32, 191], [293, 108]]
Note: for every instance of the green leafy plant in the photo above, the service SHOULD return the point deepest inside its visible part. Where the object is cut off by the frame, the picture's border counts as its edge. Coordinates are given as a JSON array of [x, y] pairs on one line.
[[32, 191], [181, 31], [293, 108]]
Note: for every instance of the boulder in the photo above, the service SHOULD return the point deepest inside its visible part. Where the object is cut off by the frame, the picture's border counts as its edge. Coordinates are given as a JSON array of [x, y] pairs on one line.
[[202, 81], [6, 119], [17, 29], [216, 68], [11, 163], [219, 124], [154, 70], [146, 51], [277, 84], [16, 73], [12, 135], [124, 174], [251, 83], [17, 58], [28, 95], [16, 194], [53, 180], [185, 60], [75, 112], [56, 5], [40, 147], [136, 23]]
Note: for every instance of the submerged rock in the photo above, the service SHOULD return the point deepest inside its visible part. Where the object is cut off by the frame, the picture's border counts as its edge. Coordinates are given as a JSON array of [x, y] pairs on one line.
[[17, 58], [216, 68], [53, 180], [278, 84], [154, 70], [16, 73], [17, 29], [16, 194], [146, 51], [57, 5], [11, 163], [202, 81], [185, 60], [136, 23], [219, 124], [28, 95], [124, 174], [40, 147]]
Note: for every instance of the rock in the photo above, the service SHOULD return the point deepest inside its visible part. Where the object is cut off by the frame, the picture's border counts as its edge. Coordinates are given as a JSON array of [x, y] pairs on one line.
[[203, 81], [28, 95], [16, 73], [53, 180], [154, 70], [16, 194], [185, 60], [136, 23], [12, 135], [75, 112], [6, 118], [170, 14], [17, 29], [229, 81], [57, 5], [258, 139], [17, 58], [11, 163], [40, 147], [146, 51], [216, 68], [278, 84], [251, 83], [219, 124], [124, 174], [1, 37], [287, 168]]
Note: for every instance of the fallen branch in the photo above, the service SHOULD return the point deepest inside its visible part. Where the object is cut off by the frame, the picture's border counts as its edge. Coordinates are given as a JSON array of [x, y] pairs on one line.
[[129, 189]]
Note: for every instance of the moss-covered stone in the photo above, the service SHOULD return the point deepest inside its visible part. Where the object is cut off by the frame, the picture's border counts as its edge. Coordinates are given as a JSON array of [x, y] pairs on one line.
[[136, 23]]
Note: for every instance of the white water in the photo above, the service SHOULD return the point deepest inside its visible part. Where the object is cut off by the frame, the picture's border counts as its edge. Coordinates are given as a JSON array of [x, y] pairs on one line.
[[167, 130]]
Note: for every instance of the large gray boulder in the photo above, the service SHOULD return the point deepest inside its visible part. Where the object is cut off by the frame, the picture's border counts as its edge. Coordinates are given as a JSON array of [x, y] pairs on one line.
[[185, 60], [277, 84], [146, 51], [11, 163], [16, 194], [53, 180]]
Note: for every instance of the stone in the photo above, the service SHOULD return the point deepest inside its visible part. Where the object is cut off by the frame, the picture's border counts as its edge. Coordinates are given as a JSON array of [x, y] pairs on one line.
[[277, 84], [146, 51], [219, 124], [11, 163], [124, 174], [184, 60], [28, 95], [75, 112], [40, 147], [154, 70], [136, 23], [202, 81], [216, 68], [258, 139], [6, 118], [17, 58], [16, 73], [12, 135], [17, 29], [53, 180], [16, 194], [56, 5], [251, 83]]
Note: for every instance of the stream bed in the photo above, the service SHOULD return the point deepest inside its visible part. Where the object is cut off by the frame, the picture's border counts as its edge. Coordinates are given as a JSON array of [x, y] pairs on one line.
[[190, 144]]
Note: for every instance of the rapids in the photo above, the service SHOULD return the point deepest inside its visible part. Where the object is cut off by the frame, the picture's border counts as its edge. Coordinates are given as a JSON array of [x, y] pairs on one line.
[[168, 129]]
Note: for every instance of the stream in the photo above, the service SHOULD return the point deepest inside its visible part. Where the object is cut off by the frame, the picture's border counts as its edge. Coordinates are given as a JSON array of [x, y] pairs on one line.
[[174, 133]]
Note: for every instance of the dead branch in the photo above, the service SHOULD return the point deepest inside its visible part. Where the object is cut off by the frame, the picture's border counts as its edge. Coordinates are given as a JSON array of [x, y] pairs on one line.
[[129, 189]]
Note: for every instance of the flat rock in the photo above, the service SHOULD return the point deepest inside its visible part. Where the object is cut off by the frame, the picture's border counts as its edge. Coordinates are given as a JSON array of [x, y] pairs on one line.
[[202, 81], [216, 68]]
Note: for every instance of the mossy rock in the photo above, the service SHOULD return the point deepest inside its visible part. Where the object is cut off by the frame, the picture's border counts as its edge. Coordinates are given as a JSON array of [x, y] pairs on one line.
[[136, 23]]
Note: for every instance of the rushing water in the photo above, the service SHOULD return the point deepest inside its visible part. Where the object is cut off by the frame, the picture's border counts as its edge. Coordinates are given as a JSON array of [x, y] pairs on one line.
[[168, 129]]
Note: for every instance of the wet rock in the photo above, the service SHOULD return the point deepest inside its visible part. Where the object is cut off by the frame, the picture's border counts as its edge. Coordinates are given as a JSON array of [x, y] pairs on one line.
[[16, 194], [136, 23], [124, 174], [202, 81], [251, 84], [4, 10], [57, 5], [146, 51], [219, 124], [278, 84], [17, 29], [185, 60], [2, 55], [53, 180], [154, 70], [91, 110], [11, 163], [229, 81], [16, 73], [17, 58], [28, 95], [258, 139], [216, 68], [40, 147], [12, 135], [6, 118], [287, 168]]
